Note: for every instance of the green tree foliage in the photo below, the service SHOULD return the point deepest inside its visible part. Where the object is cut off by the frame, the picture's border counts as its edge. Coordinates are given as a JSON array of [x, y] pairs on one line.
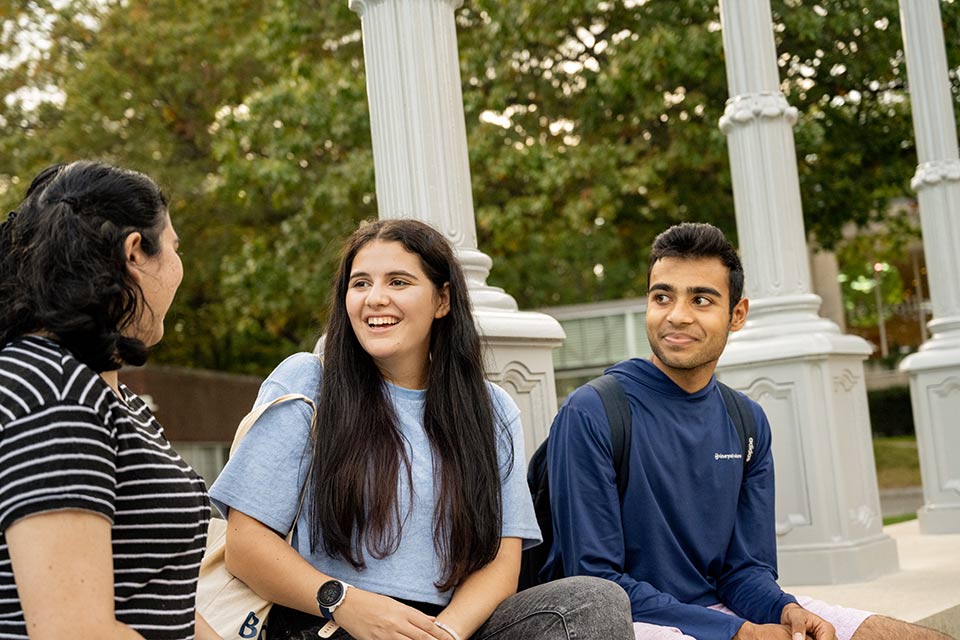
[[871, 259], [592, 125]]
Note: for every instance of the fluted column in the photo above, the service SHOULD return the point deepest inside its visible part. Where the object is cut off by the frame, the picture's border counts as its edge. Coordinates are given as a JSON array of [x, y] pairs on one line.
[[807, 375], [422, 171], [935, 369]]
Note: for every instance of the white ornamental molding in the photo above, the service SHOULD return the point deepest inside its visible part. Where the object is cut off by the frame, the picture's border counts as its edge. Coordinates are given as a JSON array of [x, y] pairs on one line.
[[934, 172], [864, 516], [746, 108], [519, 376], [360, 6], [846, 381], [947, 388]]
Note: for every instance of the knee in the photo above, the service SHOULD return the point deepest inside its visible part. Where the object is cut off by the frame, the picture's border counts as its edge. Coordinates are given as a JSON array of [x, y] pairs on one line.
[[601, 605], [598, 590]]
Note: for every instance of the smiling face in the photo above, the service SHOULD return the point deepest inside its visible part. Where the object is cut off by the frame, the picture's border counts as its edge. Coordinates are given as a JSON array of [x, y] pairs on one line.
[[392, 305], [688, 318]]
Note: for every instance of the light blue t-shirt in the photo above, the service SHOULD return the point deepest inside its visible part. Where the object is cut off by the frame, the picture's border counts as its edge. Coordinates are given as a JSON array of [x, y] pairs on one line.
[[264, 476]]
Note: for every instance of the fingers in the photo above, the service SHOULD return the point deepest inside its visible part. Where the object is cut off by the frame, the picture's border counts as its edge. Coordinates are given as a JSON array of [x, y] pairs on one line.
[[826, 632], [798, 628], [426, 628]]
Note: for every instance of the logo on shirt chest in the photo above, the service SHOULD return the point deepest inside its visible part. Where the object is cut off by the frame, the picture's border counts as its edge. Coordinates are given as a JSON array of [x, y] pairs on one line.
[[727, 456]]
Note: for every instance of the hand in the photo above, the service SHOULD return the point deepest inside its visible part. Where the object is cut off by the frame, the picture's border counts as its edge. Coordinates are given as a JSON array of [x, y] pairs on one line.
[[803, 623], [370, 616], [750, 631]]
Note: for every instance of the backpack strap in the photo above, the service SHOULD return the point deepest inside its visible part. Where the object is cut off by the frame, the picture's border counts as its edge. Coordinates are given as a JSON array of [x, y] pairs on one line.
[[617, 408], [742, 418]]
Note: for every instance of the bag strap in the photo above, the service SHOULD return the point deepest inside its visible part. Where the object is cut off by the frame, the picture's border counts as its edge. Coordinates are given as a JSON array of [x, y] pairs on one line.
[[742, 418], [247, 423], [251, 418], [617, 408]]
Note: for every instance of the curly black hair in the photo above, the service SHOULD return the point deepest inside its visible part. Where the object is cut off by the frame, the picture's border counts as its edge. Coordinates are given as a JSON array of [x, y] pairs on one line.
[[62, 264]]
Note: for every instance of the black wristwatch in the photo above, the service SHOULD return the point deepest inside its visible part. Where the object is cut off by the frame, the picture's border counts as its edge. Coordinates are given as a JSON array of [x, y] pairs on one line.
[[330, 595]]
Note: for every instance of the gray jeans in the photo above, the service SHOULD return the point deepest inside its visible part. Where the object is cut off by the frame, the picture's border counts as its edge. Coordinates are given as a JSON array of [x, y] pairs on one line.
[[578, 608]]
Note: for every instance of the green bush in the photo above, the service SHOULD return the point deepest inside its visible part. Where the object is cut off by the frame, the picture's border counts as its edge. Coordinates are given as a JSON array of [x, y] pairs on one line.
[[890, 412]]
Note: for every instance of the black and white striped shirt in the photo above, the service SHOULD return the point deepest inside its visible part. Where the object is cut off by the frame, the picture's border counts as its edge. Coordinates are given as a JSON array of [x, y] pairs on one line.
[[68, 442]]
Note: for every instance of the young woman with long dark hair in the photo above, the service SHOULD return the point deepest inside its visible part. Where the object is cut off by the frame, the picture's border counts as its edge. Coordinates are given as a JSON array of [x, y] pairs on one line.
[[102, 524], [416, 506]]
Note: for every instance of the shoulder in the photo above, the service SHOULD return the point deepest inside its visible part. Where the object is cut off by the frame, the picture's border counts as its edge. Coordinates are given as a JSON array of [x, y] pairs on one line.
[[581, 421], [299, 373], [756, 411], [583, 403], [38, 372]]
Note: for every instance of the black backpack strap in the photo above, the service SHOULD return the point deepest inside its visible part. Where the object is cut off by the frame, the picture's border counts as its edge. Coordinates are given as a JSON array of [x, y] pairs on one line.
[[742, 418], [617, 408]]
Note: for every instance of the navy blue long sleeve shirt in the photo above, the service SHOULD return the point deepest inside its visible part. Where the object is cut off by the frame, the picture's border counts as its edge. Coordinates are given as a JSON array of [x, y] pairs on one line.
[[692, 531]]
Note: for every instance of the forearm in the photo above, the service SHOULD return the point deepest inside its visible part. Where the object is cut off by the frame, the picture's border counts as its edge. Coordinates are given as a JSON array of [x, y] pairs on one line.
[[477, 597], [270, 566], [753, 593]]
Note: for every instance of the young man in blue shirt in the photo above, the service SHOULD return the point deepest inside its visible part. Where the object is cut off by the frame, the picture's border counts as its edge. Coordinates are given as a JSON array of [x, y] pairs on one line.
[[692, 541]]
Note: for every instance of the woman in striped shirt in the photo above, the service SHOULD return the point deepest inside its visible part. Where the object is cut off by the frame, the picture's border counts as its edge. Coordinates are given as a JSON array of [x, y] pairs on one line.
[[102, 524]]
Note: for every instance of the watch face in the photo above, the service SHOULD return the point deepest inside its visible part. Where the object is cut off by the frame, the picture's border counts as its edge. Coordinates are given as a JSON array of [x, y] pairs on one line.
[[330, 593]]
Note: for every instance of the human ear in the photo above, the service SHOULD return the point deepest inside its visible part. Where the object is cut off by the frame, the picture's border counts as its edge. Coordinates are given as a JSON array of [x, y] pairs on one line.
[[134, 254], [443, 308], [739, 316]]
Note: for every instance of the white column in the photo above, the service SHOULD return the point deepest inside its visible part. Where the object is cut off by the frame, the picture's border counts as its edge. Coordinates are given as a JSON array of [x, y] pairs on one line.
[[935, 369], [807, 375], [422, 171], [824, 271]]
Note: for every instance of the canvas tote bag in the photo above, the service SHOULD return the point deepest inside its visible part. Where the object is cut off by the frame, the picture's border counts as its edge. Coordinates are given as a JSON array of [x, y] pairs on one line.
[[226, 602]]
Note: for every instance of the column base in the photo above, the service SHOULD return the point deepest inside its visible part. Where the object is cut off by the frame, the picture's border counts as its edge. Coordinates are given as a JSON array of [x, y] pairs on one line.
[[837, 564], [809, 379], [935, 395], [519, 358], [936, 520]]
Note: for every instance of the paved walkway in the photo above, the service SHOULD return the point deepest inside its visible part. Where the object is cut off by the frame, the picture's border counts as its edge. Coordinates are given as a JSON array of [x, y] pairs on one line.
[[925, 590]]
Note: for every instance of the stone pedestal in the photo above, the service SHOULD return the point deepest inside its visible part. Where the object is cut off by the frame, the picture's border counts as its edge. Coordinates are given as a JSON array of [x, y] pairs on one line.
[[806, 374], [935, 369], [422, 171], [811, 386]]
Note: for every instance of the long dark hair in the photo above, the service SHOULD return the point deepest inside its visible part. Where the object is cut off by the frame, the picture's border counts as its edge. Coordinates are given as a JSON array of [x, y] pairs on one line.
[[62, 263], [359, 450]]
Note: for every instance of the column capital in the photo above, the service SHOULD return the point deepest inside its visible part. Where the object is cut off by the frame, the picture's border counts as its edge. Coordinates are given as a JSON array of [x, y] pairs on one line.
[[745, 108], [935, 172], [360, 6]]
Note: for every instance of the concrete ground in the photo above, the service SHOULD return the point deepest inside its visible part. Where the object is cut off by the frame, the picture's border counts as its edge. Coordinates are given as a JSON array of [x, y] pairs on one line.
[[926, 590]]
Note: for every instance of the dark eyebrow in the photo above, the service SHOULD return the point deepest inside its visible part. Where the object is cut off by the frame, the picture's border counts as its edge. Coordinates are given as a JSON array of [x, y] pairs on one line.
[[660, 286], [405, 274], [391, 274], [704, 290]]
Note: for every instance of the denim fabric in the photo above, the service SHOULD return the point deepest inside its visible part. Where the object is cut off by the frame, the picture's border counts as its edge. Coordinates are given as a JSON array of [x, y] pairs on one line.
[[580, 608]]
